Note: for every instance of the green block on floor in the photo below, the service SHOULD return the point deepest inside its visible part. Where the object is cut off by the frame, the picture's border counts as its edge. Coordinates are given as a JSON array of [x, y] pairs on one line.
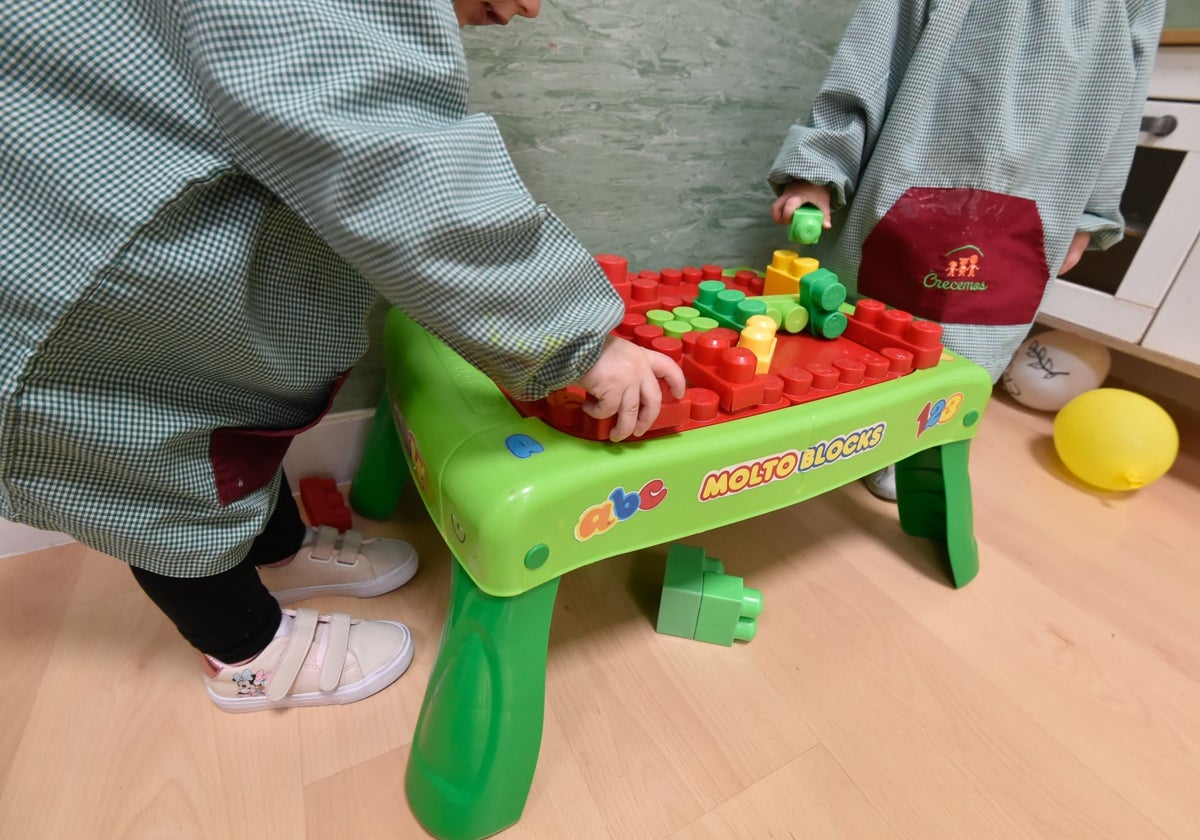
[[728, 610], [683, 587]]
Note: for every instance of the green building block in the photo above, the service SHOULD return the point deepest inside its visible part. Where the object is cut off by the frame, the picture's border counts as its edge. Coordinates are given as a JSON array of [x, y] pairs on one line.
[[807, 223], [828, 324], [822, 294], [728, 610], [728, 307], [683, 588], [786, 312], [821, 290], [700, 601]]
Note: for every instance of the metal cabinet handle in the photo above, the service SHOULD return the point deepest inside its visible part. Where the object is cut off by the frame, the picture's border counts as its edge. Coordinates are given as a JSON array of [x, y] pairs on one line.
[[1159, 126]]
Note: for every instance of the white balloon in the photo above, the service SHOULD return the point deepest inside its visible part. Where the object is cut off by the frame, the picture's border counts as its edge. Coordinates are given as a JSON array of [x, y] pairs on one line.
[[1052, 368]]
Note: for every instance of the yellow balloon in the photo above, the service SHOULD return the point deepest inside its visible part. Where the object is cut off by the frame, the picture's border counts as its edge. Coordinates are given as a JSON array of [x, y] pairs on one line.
[[1115, 439]]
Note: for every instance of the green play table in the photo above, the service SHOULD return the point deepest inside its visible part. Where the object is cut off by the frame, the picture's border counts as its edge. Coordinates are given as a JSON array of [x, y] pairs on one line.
[[520, 503]]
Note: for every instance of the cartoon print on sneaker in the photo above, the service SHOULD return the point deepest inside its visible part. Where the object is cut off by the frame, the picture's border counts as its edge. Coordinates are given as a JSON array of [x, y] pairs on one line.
[[251, 684]]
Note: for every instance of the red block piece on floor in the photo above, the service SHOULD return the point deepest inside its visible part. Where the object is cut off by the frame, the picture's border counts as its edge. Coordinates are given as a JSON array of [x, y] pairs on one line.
[[323, 503]]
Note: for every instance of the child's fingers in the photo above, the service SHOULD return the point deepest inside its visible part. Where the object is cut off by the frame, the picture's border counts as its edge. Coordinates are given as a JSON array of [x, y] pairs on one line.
[[664, 368], [650, 405], [625, 385], [784, 207], [627, 415], [621, 404]]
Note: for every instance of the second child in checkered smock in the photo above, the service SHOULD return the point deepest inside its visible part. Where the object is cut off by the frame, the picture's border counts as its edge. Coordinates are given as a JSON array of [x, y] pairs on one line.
[[961, 145], [199, 201]]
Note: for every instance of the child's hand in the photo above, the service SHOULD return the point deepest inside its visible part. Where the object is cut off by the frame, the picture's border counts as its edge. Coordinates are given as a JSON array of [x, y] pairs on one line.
[[1078, 245], [624, 382], [799, 193]]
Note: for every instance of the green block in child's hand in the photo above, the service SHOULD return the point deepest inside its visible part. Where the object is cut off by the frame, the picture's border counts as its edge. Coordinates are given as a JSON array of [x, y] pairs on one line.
[[807, 223]]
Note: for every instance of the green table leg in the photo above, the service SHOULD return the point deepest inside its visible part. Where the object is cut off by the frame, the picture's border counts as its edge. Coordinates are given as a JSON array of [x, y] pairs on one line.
[[379, 481], [934, 495], [480, 728]]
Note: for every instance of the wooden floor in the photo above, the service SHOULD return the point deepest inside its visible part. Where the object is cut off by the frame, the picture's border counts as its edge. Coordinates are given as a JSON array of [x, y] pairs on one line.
[[1056, 696]]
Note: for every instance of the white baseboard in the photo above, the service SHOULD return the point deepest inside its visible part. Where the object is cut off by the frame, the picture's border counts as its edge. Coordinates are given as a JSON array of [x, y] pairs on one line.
[[331, 448], [18, 539], [1175, 389]]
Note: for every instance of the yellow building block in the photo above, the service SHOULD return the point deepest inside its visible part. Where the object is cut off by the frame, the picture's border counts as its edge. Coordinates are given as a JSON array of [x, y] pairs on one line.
[[783, 274], [758, 336]]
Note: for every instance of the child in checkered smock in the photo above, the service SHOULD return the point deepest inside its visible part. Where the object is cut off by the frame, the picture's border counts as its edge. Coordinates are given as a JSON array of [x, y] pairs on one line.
[[961, 150], [199, 202]]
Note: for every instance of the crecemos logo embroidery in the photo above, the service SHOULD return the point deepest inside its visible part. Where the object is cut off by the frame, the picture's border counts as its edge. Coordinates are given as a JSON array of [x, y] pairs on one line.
[[963, 271]]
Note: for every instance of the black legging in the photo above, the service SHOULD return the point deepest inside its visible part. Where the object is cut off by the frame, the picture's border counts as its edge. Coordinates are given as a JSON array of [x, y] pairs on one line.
[[231, 616]]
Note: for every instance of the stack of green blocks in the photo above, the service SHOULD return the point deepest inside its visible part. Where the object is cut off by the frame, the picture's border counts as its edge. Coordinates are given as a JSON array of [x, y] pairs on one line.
[[822, 294], [701, 602]]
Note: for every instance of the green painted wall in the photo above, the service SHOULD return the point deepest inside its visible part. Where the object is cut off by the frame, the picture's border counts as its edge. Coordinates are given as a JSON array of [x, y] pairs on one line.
[[1182, 14]]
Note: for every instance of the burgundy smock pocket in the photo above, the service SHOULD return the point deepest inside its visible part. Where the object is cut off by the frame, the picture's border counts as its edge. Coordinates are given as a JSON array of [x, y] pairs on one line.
[[245, 460], [958, 256]]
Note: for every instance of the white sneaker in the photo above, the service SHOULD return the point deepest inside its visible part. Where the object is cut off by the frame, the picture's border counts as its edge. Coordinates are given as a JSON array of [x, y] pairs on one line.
[[882, 484], [314, 660], [330, 563]]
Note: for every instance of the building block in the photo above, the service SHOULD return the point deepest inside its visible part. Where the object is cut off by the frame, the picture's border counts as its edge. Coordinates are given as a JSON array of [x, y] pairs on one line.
[[683, 588], [787, 313], [729, 610], [816, 289], [822, 295], [820, 289], [729, 371], [669, 288], [895, 333], [729, 307], [323, 503], [701, 602], [563, 409], [807, 224], [758, 336], [783, 274]]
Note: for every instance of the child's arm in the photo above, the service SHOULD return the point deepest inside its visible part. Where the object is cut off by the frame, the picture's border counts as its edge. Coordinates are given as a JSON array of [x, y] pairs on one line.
[[624, 382], [849, 109], [355, 115], [1102, 217]]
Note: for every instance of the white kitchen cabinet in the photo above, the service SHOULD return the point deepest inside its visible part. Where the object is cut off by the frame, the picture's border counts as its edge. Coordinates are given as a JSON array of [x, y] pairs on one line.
[[1143, 295]]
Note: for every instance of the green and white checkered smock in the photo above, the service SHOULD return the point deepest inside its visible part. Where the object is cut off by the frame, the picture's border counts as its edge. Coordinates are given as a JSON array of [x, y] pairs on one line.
[[1037, 99], [199, 200]]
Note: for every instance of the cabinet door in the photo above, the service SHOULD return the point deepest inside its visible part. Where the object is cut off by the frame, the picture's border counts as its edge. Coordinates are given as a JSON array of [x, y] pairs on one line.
[[1173, 331], [1118, 292]]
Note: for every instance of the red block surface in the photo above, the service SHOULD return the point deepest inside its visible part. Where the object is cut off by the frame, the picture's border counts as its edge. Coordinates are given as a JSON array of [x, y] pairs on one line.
[[879, 344]]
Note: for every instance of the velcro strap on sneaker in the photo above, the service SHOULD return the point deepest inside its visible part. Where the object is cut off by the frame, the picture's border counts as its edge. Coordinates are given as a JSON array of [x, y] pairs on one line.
[[351, 547], [335, 651], [304, 627], [326, 544]]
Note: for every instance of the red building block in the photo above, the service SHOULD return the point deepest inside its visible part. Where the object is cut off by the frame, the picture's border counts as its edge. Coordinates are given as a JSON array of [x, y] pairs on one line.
[[717, 364], [878, 328], [323, 503], [668, 288]]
